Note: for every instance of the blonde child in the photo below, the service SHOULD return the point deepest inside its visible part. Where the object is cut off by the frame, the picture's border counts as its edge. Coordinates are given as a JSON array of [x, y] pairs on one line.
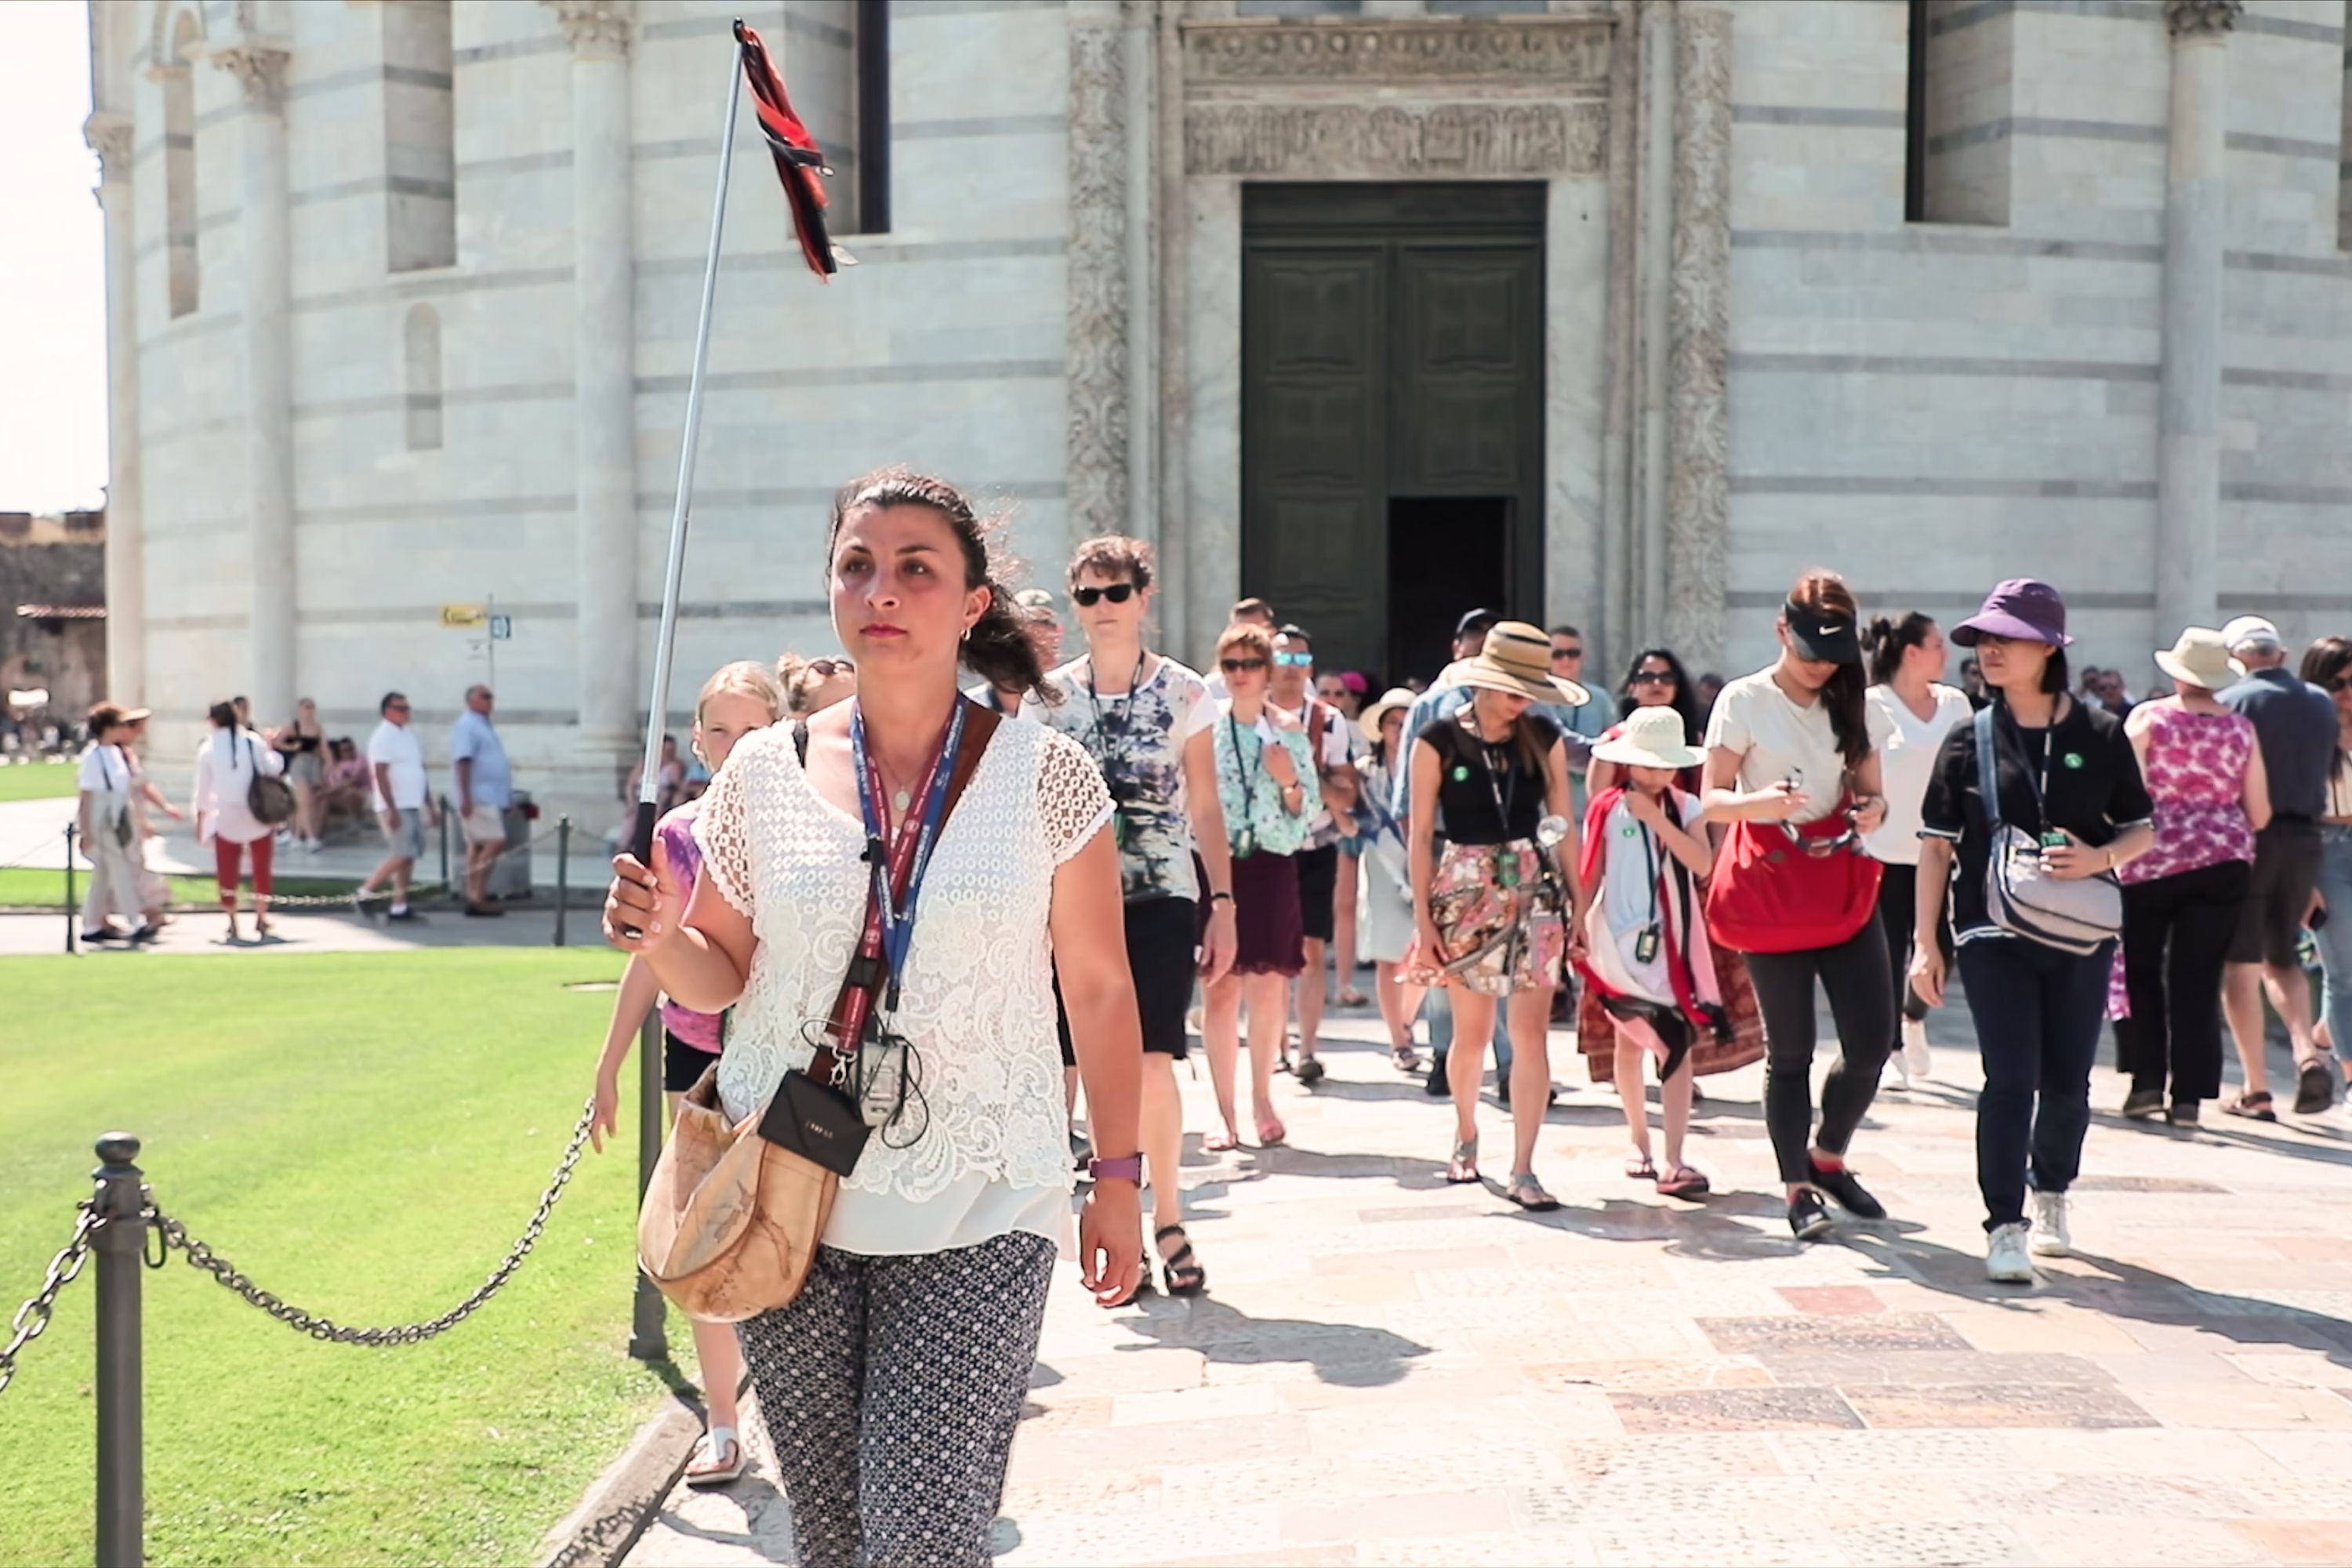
[[741, 698]]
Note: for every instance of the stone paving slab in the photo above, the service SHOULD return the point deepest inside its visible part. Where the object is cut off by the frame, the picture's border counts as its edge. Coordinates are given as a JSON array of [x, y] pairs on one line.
[[1389, 1370]]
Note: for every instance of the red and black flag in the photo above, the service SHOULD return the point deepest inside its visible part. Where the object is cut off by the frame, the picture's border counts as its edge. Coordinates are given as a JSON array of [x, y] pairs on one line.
[[799, 159]]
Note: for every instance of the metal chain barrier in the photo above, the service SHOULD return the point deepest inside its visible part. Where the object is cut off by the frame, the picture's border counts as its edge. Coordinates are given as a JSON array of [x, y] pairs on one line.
[[34, 1315], [176, 1238]]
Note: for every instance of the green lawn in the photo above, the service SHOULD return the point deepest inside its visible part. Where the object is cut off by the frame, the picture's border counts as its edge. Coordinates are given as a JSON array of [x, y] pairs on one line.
[[364, 1135], [37, 781], [28, 888]]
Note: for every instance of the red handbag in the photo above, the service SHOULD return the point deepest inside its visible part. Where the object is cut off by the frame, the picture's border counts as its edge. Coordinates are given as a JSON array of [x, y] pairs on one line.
[[1778, 888]]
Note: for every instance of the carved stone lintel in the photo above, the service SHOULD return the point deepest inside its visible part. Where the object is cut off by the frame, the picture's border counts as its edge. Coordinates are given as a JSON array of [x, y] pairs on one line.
[[1352, 141], [108, 135], [2195, 20], [1097, 301], [596, 27], [1551, 51], [259, 68], [1699, 324]]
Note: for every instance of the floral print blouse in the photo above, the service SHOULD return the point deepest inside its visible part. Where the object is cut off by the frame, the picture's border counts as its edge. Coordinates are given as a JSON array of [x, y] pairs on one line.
[[1247, 790]]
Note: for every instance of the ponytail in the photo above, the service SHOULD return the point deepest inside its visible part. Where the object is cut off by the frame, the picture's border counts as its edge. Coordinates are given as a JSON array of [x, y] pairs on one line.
[[1885, 642], [998, 647]]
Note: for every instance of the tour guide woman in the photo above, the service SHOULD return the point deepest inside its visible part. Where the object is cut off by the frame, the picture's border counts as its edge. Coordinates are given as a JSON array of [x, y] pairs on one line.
[[892, 1383], [1792, 744], [1486, 922], [2067, 780]]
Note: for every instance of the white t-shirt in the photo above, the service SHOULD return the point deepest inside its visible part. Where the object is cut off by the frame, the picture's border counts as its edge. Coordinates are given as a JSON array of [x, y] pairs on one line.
[[1908, 745], [395, 746], [103, 771], [1781, 741], [1630, 898]]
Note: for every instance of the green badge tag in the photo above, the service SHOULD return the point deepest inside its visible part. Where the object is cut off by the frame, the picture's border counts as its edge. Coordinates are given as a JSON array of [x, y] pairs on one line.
[[1629, 833], [1460, 773], [2074, 759]]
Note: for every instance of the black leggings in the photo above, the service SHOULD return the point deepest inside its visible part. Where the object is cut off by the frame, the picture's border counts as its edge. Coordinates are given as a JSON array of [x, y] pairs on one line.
[[1853, 973], [2177, 932], [1898, 902]]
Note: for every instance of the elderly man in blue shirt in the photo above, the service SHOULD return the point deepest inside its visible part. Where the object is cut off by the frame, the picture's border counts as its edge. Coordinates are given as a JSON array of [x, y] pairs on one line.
[[485, 783]]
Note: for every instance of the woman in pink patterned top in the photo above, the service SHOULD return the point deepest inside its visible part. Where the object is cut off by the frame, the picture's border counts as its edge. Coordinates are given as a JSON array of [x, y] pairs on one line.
[[2181, 898], [741, 698]]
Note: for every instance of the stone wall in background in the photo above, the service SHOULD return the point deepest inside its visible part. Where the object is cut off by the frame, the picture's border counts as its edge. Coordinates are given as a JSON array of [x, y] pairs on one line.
[[58, 564]]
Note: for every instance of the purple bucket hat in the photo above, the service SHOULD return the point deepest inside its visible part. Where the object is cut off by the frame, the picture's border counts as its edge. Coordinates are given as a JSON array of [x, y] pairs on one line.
[[2022, 609]]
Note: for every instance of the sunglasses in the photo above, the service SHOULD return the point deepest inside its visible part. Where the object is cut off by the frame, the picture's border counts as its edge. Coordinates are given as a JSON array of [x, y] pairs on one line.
[[1653, 678], [396, 706], [1241, 665], [2341, 683], [1294, 660], [1567, 653], [1118, 594], [826, 668]]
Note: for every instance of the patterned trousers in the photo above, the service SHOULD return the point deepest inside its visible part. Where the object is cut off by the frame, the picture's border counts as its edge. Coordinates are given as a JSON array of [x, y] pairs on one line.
[[891, 1387]]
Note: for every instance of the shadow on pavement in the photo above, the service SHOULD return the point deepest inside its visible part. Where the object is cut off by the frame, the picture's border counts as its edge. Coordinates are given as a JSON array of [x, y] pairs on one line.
[[1353, 1354]]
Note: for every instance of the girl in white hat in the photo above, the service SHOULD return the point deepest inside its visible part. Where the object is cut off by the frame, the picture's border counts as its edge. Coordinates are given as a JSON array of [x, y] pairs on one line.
[[1385, 895], [1647, 952]]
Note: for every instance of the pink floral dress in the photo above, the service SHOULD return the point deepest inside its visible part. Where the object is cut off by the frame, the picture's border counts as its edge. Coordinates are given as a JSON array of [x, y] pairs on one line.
[[2196, 775]]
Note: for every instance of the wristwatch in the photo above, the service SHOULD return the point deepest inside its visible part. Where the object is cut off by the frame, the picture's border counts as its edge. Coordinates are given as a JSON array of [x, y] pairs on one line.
[[1127, 1168]]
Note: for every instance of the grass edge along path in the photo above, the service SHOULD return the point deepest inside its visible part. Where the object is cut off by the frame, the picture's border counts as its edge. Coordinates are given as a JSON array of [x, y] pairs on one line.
[[34, 888], [39, 781], [365, 1135]]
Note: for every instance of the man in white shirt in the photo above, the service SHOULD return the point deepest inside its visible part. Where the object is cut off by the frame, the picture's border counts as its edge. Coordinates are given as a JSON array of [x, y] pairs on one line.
[[1292, 692], [402, 804]]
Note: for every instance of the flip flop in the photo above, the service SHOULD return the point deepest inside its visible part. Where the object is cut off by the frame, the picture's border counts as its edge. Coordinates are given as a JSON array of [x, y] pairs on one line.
[[1271, 1131], [1683, 1182], [1465, 1161], [1640, 1169], [1404, 1059], [705, 1469], [1529, 1193], [1221, 1143], [2253, 1107]]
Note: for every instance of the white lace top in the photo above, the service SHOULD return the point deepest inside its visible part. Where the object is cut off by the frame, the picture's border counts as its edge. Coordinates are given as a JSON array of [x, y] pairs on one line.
[[977, 1003]]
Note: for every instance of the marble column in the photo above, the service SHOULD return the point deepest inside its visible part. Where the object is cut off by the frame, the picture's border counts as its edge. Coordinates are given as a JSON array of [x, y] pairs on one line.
[[2196, 214], [1698, 332], [126, 575], [1096, 319], [1140, 42], [603, 371], [267, 327]]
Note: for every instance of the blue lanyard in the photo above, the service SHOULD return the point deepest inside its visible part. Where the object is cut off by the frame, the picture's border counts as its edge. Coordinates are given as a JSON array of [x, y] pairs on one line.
[[898, 920]]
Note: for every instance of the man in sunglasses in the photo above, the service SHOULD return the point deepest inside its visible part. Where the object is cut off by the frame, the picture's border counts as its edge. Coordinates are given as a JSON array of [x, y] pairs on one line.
[[1581, 723], [1319, 862]]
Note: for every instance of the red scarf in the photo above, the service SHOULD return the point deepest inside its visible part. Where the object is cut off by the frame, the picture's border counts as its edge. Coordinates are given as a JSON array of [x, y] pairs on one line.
[[1701, 1014]]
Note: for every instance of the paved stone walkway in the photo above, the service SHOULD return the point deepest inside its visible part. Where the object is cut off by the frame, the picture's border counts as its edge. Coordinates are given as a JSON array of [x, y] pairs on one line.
[[1389, 1370]]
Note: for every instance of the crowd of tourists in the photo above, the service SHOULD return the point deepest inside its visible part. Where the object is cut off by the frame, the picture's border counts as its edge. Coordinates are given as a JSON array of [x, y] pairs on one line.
[[1686, 864], [260, 791]]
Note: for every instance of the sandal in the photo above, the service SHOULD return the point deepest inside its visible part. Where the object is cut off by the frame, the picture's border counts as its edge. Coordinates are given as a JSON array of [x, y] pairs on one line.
[[1351, 998], [1185, 1276], [707, 1469], [1640, 1169], [1463, 1169], [1308, 1072], [1529, 1193], [1404, 1059], [1221, 1143], [1683, 1182], [1271, 1131], [2253, 1107], [260, 926]]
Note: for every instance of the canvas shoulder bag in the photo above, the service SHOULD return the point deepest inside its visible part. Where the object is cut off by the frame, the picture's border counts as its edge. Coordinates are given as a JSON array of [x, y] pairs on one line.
[[271, 800], [734, 1214], [2073, 915]]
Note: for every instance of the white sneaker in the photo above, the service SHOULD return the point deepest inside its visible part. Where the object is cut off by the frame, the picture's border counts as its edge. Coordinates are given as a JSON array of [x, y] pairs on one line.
[[1900, 1069], [2005, 1260], [1917, 1060], [2051, 1237]]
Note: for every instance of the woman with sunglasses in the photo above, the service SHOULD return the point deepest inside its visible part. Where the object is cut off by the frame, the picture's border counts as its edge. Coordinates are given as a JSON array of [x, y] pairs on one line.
[[2065, 774], [1793, 744], [812, 685], [1497, 915], [1147, 722], [2327, 664], [1654, 680], [1263, 765]]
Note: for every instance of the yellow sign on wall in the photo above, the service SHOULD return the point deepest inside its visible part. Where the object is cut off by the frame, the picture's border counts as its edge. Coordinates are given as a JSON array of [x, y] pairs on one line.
[[464, 614]]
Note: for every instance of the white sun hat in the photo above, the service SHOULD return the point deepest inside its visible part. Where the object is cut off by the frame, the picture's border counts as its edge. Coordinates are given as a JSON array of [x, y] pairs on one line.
[[1651, 738]]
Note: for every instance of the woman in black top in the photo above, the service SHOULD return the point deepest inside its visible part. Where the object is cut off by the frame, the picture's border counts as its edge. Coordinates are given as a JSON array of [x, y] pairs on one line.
[[2066, 774], [1494, 915]]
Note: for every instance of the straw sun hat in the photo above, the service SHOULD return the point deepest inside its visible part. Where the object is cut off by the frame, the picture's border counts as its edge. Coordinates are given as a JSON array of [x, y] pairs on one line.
[[1651, 738], [1395, 699], [1518, 659], [2201, 659]]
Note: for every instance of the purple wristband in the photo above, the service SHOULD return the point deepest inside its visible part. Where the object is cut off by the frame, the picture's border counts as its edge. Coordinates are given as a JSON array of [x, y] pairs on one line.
[[1128, 1168]]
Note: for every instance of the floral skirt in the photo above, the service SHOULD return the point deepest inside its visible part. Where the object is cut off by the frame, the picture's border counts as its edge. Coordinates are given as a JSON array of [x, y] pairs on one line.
[[1496, 934]]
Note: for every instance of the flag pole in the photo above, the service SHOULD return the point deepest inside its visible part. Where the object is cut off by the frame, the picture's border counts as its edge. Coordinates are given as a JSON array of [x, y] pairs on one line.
[[641, 837]]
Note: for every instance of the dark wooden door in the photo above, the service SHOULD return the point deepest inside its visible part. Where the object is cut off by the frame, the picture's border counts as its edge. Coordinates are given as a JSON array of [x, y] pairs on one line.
[[1391, 352]]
